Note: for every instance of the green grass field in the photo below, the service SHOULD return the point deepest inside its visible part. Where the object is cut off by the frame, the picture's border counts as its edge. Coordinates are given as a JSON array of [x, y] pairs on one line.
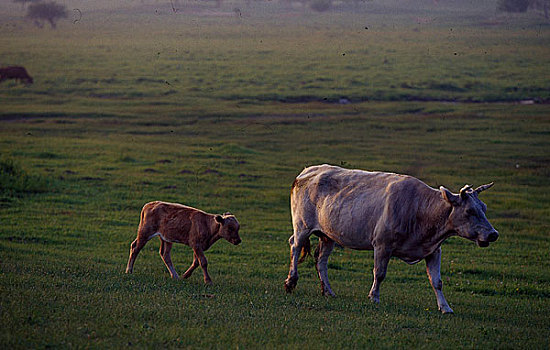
[[221, 112]]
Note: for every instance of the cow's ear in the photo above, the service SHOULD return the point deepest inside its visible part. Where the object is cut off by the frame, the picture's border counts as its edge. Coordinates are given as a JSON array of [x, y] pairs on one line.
[[219, 219], [449, 197]]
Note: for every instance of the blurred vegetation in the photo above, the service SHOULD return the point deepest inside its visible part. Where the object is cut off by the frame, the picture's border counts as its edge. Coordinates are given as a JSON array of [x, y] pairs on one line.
[[15, 181]]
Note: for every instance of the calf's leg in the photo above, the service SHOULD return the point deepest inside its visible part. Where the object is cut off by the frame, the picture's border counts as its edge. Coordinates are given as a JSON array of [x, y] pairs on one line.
[[164, 251], [433, 268], [321, 260], [193, 266], [135, 248], [381, 260], [144, 233], [204, 265]]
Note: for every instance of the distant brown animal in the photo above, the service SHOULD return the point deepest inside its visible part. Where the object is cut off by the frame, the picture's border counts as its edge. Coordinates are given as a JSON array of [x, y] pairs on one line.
[[392, 214], [177, 223], [16, 73]]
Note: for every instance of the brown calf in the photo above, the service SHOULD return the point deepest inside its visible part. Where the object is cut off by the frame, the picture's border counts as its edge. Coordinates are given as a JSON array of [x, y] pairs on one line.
[[16, 73], [177, 223]]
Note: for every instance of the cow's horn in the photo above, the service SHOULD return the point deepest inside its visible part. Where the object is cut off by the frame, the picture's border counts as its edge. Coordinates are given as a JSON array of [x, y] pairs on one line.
[[464, 190], [484, 187]]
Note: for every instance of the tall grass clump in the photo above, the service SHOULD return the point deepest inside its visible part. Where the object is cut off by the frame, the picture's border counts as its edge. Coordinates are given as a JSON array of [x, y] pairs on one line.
[[14, 180]]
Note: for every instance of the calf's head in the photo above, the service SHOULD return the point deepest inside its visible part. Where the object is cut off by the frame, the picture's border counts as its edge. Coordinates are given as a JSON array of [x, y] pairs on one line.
[[467, 217], [229, 228]]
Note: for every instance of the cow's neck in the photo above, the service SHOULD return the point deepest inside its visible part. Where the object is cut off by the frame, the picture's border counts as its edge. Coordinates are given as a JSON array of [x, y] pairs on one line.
[[436, 221]]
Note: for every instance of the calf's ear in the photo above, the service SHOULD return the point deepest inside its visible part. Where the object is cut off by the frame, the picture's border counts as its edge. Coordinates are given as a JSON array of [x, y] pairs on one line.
[[449, 196], [219, 219]]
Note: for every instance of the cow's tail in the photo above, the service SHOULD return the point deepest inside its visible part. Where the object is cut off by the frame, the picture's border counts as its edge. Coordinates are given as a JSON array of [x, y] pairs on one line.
[[316, 253], [306, 251]]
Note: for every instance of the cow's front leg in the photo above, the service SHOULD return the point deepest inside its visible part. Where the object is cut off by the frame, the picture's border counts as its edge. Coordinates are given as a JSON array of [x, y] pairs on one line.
[[433, 268], [204, 265], [164, 251], [193, 266], [381, 260]]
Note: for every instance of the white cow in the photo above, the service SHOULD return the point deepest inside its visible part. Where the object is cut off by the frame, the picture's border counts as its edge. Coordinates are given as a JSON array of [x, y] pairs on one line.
[[392, 214]]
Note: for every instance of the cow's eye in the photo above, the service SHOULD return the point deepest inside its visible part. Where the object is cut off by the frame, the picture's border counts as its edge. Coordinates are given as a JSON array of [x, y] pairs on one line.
[[470, 211]]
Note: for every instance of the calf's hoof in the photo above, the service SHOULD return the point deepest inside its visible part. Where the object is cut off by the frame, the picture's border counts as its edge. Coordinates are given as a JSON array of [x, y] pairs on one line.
[[374, 299]]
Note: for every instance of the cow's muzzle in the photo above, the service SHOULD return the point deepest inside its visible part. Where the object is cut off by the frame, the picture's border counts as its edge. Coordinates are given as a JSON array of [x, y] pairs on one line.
[[491, 237], [236, 241]]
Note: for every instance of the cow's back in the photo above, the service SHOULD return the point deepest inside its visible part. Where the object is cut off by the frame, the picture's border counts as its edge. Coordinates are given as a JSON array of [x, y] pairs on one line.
[[344, 204]]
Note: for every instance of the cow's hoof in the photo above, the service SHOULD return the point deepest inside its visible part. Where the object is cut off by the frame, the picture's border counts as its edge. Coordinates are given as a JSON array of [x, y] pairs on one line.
[[327, 292], [374, 299], [290, 284], [447, 311]]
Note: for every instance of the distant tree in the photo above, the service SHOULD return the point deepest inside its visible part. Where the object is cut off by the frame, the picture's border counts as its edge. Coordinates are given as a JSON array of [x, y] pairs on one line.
[[46, 11], [541, 5], [24, 2], [321, 5], [523, 5], [513, 5]]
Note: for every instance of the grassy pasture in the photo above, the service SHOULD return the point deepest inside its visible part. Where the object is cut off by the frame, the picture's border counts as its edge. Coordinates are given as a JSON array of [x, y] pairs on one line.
[[221, 113]]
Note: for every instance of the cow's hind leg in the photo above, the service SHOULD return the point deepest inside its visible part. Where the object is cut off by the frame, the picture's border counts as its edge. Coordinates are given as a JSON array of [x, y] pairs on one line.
[[299, 244], [433, 268], [381, 260], [164, 251], [321, 261]]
